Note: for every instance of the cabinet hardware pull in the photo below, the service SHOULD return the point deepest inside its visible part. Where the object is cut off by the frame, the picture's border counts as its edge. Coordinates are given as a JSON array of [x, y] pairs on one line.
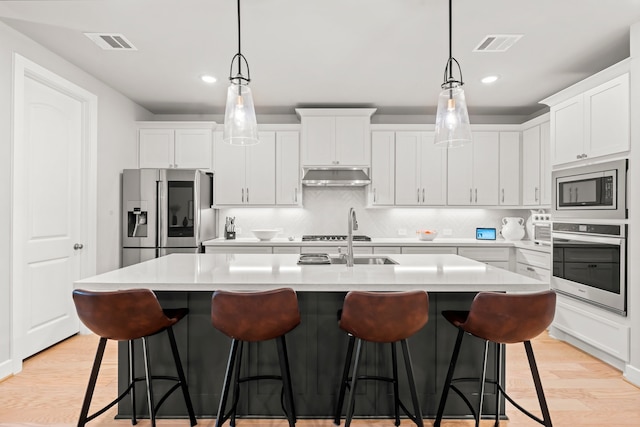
[[536, 195], [530, 269], [476, 195], [243, 195], [418, 194], [423, 195], [295, 195], [375, 199], [578, 156], [78, 246], [247, 194], [471, 195], [503, 195]]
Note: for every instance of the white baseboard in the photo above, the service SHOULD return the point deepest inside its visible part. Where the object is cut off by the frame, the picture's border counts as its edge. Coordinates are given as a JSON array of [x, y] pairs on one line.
[[587, 348], [6, 369], [632, 374]]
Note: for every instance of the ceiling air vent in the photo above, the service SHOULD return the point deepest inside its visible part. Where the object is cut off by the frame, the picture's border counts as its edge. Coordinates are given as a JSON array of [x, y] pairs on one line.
[[111, 41], [497, 42]]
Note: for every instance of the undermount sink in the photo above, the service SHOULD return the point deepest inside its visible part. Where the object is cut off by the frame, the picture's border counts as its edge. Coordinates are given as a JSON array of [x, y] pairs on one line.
[[368, 260]]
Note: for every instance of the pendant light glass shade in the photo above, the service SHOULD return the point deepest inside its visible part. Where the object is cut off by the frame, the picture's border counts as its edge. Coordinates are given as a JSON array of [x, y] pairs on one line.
[[240, 125], [452, 119]]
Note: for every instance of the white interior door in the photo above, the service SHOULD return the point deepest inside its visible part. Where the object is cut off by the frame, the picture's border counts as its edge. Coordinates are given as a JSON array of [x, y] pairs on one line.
[[52, 189]]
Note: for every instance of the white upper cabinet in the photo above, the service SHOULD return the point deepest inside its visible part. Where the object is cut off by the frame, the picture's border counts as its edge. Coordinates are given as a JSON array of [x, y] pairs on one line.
[[336, 137], [245, 175], [593, 123], [175, 145], [288, 168], [420, 170], [509, 169], [382, 188], [536, 170], [474, 171]]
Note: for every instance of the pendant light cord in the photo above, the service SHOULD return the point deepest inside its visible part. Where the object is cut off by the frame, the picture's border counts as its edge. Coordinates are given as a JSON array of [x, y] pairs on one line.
[[449, 65], [239, 43]]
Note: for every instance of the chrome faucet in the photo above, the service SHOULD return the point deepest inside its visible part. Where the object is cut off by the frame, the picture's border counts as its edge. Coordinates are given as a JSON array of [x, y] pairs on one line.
[[352, 225]]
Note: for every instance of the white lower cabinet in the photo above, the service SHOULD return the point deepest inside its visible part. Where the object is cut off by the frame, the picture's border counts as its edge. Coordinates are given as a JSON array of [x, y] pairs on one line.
[[238, 249], [286, 249], [497, 257], [429, 250], [534, 264], [387, 250]]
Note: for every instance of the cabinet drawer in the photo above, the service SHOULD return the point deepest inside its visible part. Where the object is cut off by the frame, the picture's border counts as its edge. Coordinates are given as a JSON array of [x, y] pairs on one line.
[[238, 249], [429, 250], [334, 249], [485, 254], [538, 273], [387, 250], [286, 249], [535, 258]]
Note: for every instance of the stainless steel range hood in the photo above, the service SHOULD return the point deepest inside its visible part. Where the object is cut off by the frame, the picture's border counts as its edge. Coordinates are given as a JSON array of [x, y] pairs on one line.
[[335, 177]]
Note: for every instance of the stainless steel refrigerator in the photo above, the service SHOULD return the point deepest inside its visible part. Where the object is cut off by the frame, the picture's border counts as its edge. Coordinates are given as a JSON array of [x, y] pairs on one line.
[[165, 211]]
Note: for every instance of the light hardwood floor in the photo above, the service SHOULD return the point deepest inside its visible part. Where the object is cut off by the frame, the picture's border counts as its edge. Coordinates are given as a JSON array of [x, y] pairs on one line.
[[581, 391]]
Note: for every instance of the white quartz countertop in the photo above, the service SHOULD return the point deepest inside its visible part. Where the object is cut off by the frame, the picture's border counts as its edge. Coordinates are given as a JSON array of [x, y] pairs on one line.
[[245, 272], [380, 241]]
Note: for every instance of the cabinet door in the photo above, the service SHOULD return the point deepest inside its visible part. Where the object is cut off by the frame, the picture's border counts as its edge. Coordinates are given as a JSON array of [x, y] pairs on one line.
[[545, 164], [567, 131], [352, 141], [460, 175], [261, 171], [509, 168], [382, 168], [407, 185], [193, 148], [287, 168], [486, 168], [432, 164], [229, 173], [156, 148], [531, 166], [318, 141], [607, 118]]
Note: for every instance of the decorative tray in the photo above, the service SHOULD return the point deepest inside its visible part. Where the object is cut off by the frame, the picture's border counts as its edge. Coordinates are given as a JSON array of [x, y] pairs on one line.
[[312, 259]]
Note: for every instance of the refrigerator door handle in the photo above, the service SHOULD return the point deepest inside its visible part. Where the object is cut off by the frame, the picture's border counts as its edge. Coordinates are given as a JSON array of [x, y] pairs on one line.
[[196, 205], [163, 214]]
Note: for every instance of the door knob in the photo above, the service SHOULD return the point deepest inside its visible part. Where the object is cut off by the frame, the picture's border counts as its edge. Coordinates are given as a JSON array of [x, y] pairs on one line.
[[78, 246]]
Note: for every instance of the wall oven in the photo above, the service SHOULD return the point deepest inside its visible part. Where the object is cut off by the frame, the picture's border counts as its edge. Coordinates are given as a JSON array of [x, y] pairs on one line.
[[593, 191], [589, 263]]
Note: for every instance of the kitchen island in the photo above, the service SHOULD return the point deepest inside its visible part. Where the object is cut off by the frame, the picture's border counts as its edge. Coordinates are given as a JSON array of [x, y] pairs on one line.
[[317, 347]]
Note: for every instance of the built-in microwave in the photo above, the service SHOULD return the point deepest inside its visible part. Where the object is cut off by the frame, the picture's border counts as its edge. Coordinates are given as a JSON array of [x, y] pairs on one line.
[[594, 191]]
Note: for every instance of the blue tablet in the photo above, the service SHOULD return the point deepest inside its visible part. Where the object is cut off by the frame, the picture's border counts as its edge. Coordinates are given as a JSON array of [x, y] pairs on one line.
[[485, 233]]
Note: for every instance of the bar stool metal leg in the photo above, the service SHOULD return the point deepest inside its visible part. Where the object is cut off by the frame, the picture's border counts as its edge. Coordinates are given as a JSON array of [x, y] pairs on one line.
[[181, 377], [132, 382], [343, 381], [499, 348], [412, 384], [236, 385], [92, 382], [286, 380], [227, 382], [482, 381], [354, 382], [447, 381], [546, 417], [148, 380], [396, 392]]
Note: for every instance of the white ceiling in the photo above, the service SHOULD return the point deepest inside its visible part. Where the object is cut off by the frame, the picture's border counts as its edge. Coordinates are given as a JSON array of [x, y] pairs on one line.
[[388, 54]]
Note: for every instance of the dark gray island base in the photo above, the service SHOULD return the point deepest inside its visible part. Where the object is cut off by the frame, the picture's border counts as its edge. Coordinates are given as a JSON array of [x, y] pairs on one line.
[[316, 354]]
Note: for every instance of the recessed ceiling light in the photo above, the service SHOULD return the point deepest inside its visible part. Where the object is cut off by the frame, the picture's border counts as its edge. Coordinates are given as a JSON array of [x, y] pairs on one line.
[[208, 79], [489, 79]]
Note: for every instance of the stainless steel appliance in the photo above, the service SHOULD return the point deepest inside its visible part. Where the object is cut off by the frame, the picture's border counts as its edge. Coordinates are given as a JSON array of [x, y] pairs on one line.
[[165, 211], [593, 191], [333, 238], [336, 177], [541, 223], [589, 263]]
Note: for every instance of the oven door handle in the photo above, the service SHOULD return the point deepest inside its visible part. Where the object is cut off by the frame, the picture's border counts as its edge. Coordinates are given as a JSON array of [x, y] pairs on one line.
[[570, 238]]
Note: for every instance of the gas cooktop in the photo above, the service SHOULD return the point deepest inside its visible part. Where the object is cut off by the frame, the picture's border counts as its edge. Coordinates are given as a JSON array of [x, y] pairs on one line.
[[333, 237]]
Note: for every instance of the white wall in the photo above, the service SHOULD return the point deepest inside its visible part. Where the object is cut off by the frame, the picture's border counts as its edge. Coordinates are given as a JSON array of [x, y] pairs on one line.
[[632, 371], [116, 150], [326, 208]]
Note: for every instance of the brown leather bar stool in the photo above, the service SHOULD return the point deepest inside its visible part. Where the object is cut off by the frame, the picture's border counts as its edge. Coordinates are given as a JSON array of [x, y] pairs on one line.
[[502, 319], [381, 317], [252, 317], [126, 316]]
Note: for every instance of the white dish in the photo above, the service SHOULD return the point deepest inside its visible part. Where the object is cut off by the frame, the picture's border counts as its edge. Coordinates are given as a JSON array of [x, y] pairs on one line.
[[265, 233], [427, 235]]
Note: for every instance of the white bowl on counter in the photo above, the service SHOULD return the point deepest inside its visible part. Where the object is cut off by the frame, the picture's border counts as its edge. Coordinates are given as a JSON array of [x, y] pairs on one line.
[[265, 233], [427, 235]]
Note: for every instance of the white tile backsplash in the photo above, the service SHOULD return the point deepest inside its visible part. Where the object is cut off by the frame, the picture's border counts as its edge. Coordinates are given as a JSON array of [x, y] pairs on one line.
[[326, 210]]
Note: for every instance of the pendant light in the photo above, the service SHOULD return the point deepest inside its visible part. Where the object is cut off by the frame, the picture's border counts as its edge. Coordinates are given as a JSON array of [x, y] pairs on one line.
[[452, 119], [240, 126]]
